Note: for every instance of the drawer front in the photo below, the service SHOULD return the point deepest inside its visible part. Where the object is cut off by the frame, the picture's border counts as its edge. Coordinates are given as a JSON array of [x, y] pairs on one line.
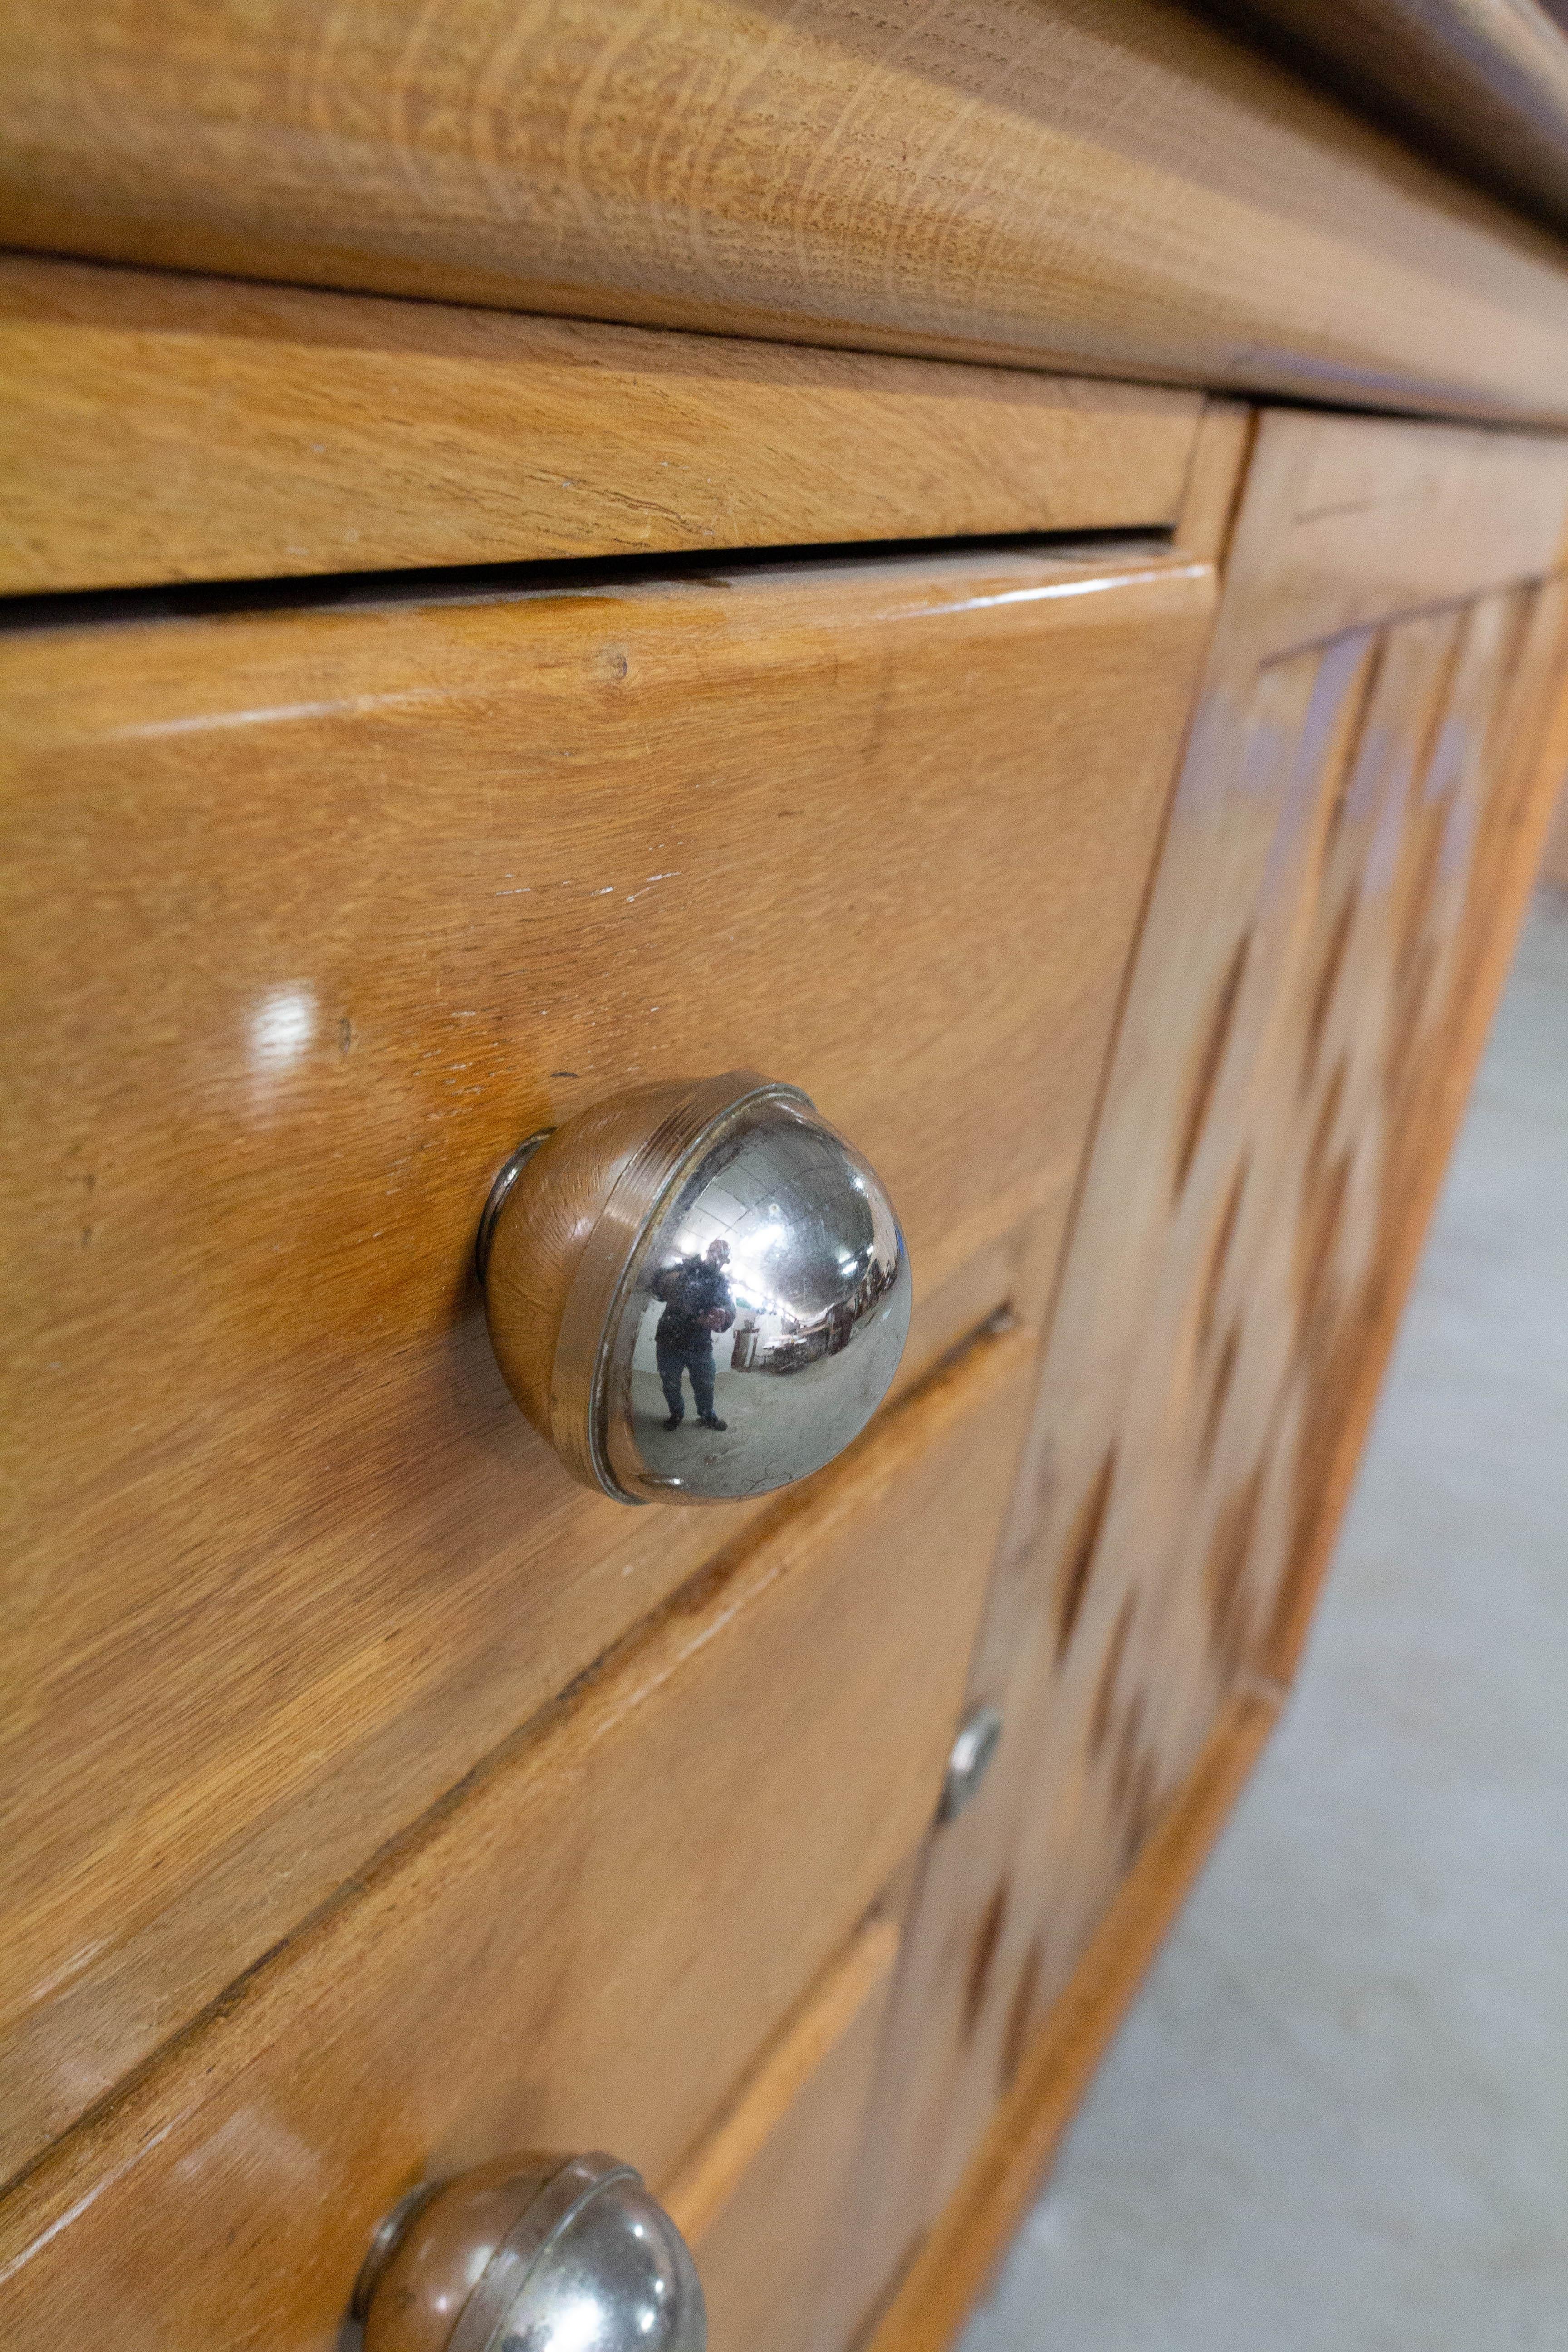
[[588, 1947], [766, 2199], [345, 434], [319, 911]]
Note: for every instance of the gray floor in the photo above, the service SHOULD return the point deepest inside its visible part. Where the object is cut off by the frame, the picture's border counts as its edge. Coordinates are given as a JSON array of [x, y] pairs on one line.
[[1337, 2119]]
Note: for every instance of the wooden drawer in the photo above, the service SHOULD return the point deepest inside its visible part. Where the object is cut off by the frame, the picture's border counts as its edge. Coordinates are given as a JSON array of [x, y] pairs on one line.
[[342, 434], [320, 910], [588, 1946], [764, 2202]]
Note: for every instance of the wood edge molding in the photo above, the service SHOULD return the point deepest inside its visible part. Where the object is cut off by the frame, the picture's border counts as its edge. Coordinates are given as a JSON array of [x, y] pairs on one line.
[[957, 2260], [1217, 474], [164, 429], [982, 195], [705, 2183], [1555, 859], [1344, 522]]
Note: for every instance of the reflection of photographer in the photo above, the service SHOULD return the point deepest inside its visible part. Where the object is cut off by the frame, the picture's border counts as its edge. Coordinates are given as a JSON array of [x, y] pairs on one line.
[[697, 1304]]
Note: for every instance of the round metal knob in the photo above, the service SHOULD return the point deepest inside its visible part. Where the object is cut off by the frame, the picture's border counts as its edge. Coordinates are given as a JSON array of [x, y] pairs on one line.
[[969, 1760], [696, 1291], [533, 2253]]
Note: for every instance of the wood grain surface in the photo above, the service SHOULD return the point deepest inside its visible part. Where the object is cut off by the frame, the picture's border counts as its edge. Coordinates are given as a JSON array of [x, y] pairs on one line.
[[160, 428], [317, 911], [1100, 185], [1442, 1019], [588, 1946], [763, 2199], [1360, 807], [707, 2182]]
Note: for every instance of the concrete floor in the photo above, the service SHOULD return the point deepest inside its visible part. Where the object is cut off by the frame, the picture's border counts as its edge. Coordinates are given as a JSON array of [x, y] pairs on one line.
[[1337, 2118]]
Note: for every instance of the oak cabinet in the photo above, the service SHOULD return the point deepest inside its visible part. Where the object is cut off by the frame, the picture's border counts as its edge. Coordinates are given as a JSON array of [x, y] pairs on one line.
[[1110, 802]]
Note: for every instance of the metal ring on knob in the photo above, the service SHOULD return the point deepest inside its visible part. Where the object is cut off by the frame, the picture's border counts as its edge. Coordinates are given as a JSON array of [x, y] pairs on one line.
[[613, 1248], [564, 2254]]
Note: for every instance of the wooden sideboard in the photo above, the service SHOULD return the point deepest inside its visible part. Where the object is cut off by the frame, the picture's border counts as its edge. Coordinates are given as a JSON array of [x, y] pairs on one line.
[[1006, 569]]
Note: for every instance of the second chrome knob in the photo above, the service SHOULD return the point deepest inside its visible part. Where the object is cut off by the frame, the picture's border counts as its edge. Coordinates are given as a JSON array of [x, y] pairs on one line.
[[697, 1291], [535, 2253]]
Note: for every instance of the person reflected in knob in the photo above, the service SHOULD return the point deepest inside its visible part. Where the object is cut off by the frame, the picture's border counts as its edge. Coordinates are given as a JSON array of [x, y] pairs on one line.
[[697, 1304]]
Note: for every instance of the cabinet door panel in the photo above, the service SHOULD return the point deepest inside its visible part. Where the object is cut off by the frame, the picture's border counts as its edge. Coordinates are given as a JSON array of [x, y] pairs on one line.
[[317, 910], [1371, 765]]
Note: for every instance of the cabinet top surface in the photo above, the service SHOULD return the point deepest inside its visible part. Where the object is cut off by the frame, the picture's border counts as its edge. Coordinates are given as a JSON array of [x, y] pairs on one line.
[[1116, 187]]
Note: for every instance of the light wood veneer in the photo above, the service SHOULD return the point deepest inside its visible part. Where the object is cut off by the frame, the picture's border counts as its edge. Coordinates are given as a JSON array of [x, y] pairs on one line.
[[162, 428]]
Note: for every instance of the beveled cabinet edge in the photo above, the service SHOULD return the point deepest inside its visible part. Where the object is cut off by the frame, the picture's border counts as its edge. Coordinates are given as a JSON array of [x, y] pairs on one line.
[[700, 2189], [1216, 476], [166, 429]]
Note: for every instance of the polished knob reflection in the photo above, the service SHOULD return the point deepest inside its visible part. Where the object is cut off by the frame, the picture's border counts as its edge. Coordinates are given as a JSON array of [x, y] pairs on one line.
[[697, 1291], [969, 1760], [533, 2253]]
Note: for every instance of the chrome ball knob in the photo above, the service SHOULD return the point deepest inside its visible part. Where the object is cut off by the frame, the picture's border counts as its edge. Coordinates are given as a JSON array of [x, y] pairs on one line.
[[697, 1292], [535, 2253]]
